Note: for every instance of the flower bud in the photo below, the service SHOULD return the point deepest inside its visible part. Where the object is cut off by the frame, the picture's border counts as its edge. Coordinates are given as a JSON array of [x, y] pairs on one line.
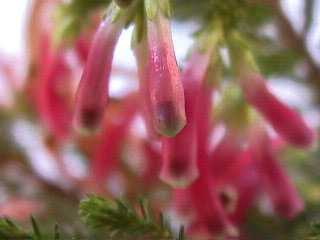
[[165, 86], [180, 152], [92, 94]]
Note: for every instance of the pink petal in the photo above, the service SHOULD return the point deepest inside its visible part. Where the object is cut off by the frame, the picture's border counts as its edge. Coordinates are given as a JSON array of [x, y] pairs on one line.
[[165, 86], [180, 152], [92, 95], [141, 54], [53, 90], [246, 179]]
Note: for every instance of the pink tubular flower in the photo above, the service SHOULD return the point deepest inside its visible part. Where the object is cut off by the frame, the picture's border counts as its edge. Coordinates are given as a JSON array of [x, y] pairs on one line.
[[286, 121], [52, 90], [166, 90], [180, 152], [210, 215], [284, 196], [92, 94], [141, 54], [245, 179]]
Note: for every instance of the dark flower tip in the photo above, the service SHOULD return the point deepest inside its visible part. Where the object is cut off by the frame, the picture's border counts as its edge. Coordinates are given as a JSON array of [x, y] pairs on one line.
[[170, 121], [89, 120], [179, 174]]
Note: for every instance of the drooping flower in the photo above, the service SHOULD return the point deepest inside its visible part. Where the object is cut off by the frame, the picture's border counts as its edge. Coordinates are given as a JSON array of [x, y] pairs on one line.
[[179, 167], [92, 94], [280, 188], [142, 59], [285, 120], [165, 86], [210, 216], [244, 178], [53, 89]]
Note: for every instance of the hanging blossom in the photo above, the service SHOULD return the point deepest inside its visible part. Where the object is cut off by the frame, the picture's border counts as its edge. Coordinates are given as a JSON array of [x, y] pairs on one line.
[[53, 89], [191, 146], [215, 184], [164, 83], [180, 152], [286, 121], [141, 54], [50, 74], [280, 188], [243, 165], [163, 87], [92, 94]]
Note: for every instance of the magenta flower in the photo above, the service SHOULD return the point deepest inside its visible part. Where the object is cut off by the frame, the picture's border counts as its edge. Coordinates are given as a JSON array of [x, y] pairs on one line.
[[209, 213], [180, 152], [179, 167], [280, 188], [141, 54], [244, 178], [92, 95], [53, 90], [286, 121], [165, 86]]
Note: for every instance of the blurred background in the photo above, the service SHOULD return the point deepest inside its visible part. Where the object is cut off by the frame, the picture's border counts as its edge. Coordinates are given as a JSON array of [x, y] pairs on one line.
[[40, 175]]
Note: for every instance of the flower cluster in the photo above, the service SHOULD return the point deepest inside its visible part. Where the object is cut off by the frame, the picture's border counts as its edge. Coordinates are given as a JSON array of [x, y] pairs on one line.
[[216, 179]]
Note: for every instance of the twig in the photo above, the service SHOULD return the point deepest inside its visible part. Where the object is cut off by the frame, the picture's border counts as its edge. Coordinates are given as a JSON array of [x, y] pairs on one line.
[[295, 41]]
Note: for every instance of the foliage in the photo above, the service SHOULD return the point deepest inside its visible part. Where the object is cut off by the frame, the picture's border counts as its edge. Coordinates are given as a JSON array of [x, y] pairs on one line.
[[121, 220], [105, 219]]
